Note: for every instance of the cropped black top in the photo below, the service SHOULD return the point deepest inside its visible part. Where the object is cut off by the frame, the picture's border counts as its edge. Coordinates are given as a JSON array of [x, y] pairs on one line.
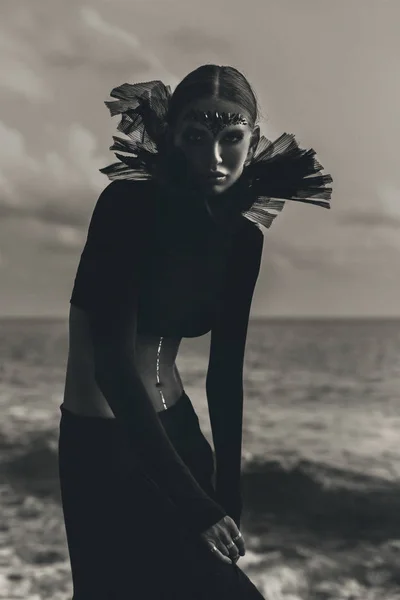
[[167, 268]]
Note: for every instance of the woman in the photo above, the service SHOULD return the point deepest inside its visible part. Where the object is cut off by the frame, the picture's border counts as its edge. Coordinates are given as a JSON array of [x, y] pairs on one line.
[[173, 251]]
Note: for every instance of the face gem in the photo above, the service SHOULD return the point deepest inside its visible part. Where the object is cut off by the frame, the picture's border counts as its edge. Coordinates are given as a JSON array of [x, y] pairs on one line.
[[216, 121]]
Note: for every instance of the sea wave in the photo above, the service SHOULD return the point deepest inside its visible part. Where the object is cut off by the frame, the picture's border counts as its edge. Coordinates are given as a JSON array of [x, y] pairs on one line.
[[322, 497]]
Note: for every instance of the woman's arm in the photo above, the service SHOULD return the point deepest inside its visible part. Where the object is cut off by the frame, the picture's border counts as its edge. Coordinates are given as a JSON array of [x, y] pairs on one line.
[[110, 272], [224, 382]]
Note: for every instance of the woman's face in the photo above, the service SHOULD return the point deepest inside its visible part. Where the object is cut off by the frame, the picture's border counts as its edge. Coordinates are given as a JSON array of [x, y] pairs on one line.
[[215, 137]]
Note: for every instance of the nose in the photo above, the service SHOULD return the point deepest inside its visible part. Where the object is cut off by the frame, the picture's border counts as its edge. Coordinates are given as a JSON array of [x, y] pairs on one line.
[[215, 157]]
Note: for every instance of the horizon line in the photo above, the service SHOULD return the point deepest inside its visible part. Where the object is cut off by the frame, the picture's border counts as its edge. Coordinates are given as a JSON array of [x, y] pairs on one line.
[[252, 319]]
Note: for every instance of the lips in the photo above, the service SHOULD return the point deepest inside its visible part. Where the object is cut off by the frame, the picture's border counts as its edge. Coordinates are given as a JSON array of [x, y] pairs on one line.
[[215, 176]]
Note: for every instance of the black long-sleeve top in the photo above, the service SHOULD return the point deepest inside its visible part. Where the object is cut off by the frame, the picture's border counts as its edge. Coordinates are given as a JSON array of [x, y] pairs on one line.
[[155, 262]]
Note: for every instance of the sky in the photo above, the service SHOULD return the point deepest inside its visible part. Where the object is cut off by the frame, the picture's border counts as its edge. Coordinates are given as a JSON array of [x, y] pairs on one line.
[[329, 72]]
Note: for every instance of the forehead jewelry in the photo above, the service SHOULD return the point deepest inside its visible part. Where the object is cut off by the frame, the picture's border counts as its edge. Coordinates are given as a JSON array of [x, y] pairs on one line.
[[216, 121]]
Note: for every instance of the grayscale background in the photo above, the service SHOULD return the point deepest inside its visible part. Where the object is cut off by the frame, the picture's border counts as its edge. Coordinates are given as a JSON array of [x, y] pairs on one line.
[[322, 374]]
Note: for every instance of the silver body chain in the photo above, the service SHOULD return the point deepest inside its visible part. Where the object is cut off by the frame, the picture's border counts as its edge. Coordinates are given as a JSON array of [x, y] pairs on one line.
[[158, 384]]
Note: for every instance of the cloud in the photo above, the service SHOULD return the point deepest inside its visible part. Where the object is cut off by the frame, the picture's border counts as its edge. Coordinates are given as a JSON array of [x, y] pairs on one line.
[[20, 78], [94, 21], [62, 239], [65, 55], [14, 161], [54, 188], [90, 42], [19, 69], [123, 49], [385, 214], [51, 35], [389, 195], [194, 41], [304, 241], [371, 218], [289, 256]]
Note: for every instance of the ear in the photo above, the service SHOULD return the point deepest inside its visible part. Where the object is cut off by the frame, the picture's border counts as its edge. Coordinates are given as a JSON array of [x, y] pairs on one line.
[[255, 138]]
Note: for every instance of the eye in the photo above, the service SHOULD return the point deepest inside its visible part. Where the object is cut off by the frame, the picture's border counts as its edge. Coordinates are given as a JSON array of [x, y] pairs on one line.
[[194, 136], [233, 138]]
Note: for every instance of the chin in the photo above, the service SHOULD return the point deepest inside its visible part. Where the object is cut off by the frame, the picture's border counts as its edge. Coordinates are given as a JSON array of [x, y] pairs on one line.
[[219, 188], [215, 190]]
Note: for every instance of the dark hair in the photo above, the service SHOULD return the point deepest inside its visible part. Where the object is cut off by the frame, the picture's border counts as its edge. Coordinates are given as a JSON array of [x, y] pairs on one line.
[[214, 81]]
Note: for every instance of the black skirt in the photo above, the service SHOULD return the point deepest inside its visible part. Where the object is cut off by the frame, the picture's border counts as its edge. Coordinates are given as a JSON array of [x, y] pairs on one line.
[[124, 537]]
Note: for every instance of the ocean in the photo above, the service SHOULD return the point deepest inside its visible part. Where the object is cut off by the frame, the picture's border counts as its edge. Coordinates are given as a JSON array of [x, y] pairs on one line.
[[321, 450]]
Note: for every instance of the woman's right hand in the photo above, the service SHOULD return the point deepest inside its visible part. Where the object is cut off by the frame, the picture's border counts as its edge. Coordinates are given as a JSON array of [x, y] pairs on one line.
[[224, 540]]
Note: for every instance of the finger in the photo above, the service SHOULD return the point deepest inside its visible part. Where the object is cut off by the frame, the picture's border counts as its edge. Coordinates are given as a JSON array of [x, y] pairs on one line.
[[221, 554], [233, 551], [232, 534], [239, 541], [230, 545], [236, 536]]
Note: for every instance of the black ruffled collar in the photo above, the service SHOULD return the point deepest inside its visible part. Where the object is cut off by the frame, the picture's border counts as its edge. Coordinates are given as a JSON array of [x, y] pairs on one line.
[[279, 170]]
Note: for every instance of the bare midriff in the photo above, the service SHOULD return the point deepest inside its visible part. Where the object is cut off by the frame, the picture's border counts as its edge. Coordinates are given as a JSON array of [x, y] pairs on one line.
[[155, 358]]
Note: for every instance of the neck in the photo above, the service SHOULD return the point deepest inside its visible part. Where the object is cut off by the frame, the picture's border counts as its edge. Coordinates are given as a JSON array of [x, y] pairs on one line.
[[174, 175]]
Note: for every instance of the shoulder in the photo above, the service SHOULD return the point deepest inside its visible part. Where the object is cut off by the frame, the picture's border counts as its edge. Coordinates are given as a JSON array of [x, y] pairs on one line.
[[123, 190], [245, 257], [248, 240], [123, 199], [255, 233], [119, 216]]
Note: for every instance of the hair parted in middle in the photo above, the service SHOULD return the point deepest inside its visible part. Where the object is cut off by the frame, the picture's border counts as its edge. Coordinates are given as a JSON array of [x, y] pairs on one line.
[[222, 82]]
